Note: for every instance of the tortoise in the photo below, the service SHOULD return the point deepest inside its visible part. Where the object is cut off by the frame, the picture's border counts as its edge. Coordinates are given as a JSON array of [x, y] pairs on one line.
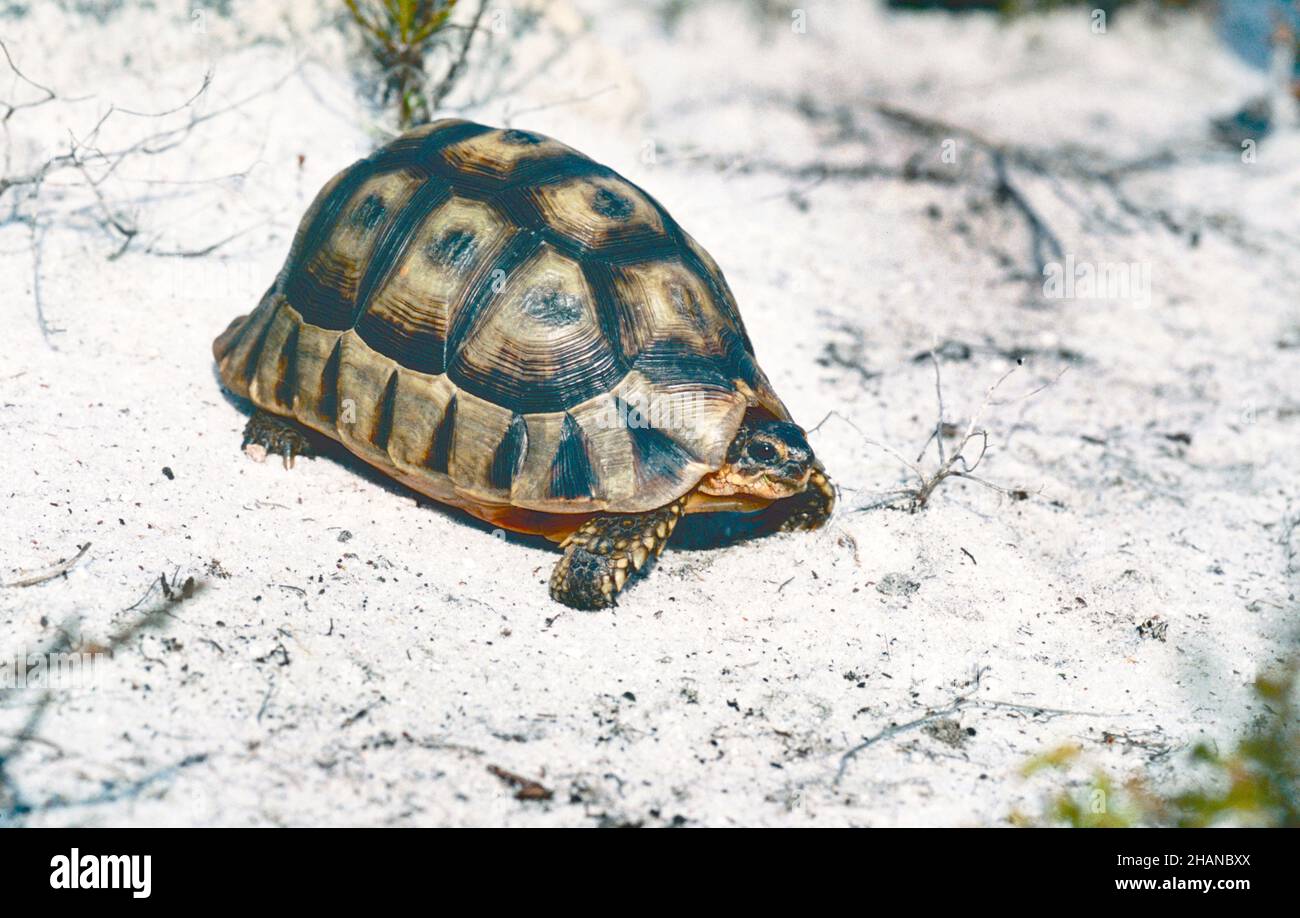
[[506, 326]]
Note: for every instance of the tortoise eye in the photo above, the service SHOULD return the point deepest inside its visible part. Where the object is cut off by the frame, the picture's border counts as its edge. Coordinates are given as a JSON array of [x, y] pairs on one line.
[[761, 451]]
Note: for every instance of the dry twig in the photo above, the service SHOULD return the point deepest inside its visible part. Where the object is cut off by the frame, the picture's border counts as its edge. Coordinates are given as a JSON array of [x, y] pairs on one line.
[[49, 573]]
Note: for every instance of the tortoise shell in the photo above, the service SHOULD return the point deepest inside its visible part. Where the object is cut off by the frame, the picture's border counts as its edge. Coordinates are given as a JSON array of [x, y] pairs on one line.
[[504, 325]]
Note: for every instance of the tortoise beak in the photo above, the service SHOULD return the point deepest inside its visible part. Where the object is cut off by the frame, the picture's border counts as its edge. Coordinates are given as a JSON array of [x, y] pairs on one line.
[[786, 485]]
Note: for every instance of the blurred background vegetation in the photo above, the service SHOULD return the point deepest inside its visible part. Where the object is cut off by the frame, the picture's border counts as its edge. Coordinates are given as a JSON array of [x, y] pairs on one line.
[[1255, 783], [415, 52]]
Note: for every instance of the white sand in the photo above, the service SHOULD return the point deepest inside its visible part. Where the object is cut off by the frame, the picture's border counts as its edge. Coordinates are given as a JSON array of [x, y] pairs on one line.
[[375, 680]]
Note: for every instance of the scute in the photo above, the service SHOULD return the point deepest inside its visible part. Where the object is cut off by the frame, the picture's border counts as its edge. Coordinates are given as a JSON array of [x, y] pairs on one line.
[[598, 211], [500, 322], [508, 155], [325, 281], [538, 346], [411, 308]]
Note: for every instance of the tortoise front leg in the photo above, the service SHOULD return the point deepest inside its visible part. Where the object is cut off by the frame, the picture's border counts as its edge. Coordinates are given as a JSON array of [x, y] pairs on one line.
[[810, 508], [268, 434], [605, 552]]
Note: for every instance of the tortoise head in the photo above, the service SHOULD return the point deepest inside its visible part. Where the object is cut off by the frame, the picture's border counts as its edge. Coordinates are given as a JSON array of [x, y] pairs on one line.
[[768, 458]]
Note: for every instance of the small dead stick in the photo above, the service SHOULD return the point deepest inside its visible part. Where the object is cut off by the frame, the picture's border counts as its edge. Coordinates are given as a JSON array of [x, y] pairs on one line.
[[958, 704], [526, 788], [920, 495], [1043, 241], [927, 483], [49, 573], [458, 65]]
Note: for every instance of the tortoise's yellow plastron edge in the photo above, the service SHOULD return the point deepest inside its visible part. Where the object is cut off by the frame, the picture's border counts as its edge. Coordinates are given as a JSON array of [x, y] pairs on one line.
[[390, 416]]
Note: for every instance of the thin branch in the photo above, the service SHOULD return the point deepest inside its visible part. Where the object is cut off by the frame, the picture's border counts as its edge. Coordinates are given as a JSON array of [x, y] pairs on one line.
[[1042, 239], [11, 107], [961, 702], [458, 66]]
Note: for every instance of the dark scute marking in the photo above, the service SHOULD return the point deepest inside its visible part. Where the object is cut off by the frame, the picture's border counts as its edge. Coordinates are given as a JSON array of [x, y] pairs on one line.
[[544, 170], [440, 451], [421, 351], [552, 307], [571, 469], [521, 138], [329, 384], [368, 214], [255, 352], [635, 248], [610, 204], [319, 304], [672, 363], [490, 280], [396, 238], [600, 280], [454, 249], [657, 454], [288, 369], [387, 405], [509, 456], [740, 359], [582, 376]]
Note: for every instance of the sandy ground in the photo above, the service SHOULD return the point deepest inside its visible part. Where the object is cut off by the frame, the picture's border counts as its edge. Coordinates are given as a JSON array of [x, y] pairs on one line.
[[353, 655]]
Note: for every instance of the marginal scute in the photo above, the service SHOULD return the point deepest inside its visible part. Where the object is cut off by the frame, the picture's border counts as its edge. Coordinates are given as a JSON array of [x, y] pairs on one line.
[[504, 324], [265, 385], [424, 408], [363, 382], [480, 426], [700, 420]]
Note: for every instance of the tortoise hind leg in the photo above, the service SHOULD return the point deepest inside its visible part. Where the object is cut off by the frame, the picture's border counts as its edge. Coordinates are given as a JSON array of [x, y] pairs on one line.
[[268, 434], [607, 551]]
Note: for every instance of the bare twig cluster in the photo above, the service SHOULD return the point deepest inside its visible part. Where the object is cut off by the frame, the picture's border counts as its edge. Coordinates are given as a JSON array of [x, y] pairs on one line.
[[15, 804], [953, 462], [88, 165], [962, 701]]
